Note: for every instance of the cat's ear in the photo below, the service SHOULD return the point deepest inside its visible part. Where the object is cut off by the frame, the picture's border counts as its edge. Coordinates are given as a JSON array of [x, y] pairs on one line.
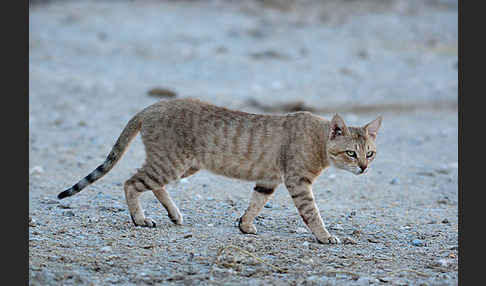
[[372, 127], [337, 127]]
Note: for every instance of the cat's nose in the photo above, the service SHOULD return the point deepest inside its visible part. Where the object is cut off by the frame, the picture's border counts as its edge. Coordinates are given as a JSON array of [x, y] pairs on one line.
[[363, 168]]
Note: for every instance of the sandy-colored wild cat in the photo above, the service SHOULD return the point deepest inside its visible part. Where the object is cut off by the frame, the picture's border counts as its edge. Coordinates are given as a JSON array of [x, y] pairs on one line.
[[183, 136]]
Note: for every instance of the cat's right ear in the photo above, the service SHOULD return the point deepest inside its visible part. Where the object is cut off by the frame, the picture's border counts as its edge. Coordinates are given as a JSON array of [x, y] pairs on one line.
[[337, 127]]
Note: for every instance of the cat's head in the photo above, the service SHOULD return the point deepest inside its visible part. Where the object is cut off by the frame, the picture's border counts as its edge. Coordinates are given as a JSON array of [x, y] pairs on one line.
[[352, 148]]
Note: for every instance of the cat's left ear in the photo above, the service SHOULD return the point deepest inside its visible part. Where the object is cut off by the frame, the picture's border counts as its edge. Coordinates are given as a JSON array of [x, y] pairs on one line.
[[372, 127]]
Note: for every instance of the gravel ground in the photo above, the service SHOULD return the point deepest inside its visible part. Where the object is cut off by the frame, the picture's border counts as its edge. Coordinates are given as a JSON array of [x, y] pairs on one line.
[[92, 63]]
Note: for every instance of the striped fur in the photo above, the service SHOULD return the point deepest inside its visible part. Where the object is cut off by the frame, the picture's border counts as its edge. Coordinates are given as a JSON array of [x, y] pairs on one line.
[[184, 136]]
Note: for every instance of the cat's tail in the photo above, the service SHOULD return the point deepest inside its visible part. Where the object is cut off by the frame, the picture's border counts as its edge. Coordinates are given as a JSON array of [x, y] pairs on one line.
[[128, 133]]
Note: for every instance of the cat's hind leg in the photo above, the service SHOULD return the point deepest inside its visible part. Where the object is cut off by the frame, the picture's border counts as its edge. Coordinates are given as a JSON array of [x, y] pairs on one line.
[[164, 198], [134, 187], [172, 211], [259, 197]]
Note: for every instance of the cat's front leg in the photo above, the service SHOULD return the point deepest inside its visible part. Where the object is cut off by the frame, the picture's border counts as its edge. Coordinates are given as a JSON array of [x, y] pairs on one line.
[[300, 189]]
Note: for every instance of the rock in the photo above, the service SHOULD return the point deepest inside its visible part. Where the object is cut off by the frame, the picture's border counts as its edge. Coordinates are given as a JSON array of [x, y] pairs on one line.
[[301, 230], [444, 201], [32, 222], [221, 50], [105, 249], [230, 202], [269, 54], [356, 232], [363, 54], [428, 174], [49, 202], [395, 181], [418, 242], [443, 171], [113, 209], [385, 279], [68, 213], [372, 240], [348, 240], [36, 170], [445, 221], [337, 227], [64, 205], [161, 92]]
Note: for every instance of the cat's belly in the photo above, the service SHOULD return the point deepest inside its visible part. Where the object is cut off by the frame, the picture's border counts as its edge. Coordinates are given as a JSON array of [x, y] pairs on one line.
[[244, 169]]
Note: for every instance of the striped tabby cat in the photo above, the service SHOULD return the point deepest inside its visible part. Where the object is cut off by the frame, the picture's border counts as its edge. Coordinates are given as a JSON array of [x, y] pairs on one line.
[[184, 136]]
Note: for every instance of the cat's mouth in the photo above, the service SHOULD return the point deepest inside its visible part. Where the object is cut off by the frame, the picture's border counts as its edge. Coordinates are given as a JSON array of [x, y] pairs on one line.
[[355, 170]]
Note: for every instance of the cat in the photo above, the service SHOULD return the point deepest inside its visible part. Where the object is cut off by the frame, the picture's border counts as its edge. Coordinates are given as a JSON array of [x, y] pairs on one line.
[[183, 136]]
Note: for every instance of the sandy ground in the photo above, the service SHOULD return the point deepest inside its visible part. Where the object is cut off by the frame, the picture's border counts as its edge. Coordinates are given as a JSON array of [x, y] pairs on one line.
[[92, 63]]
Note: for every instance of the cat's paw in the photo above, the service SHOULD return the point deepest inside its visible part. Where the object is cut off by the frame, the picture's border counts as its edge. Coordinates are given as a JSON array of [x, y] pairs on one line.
[[145, 222], [177, 219], [247, 228], [330, 240]]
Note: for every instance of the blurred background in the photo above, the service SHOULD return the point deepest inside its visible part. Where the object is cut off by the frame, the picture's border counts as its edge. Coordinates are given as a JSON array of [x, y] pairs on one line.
[[319, 54]]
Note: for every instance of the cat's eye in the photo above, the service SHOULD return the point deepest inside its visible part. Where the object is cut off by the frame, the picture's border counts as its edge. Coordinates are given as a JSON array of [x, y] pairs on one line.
[[351, 153], [370, 154]]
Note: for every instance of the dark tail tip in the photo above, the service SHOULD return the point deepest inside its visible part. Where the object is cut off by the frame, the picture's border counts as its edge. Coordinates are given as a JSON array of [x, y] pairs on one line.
[[64, 194]]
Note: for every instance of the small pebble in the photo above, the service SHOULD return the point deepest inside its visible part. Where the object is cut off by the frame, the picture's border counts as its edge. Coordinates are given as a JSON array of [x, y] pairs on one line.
[[64, 205], [444, 201], [105, 249], [69, 213], [37, 170], [443, 171], [445, 262], [395, 181], [418, 242], [337, 227], [300, 230], [348, 240], [385, 279], [445, 221], [49, 202]]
